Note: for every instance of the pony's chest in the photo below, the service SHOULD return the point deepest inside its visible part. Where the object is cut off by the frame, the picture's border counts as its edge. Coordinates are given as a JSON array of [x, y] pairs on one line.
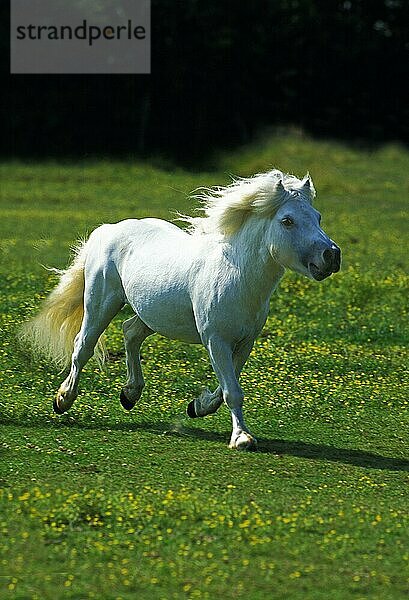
[[235, 316]]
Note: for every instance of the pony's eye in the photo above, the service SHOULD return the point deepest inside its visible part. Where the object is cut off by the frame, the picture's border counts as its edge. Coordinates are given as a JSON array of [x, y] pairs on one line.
[[287, 221]]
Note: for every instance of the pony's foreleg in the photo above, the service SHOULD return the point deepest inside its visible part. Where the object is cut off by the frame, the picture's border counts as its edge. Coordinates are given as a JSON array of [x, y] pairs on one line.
[[209, 402], [221, 356], [135, 332], [206, 404], [97, 316]]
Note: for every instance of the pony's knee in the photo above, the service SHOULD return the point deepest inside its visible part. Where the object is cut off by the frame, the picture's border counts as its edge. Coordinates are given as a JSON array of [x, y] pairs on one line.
[[233, 398]]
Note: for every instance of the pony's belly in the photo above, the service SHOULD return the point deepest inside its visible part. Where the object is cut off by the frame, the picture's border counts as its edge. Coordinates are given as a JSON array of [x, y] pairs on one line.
[[169, 314], [183, 334], [170, 326]]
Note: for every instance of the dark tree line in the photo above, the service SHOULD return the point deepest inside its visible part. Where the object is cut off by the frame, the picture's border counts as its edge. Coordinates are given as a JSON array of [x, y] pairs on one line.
[[221, 70]]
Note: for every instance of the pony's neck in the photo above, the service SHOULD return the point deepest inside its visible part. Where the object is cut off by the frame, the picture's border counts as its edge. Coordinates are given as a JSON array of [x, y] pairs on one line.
[[248, 249]]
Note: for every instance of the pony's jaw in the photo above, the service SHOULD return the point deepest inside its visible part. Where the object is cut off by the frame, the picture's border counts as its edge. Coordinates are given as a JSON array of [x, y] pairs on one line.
[[292, 265]]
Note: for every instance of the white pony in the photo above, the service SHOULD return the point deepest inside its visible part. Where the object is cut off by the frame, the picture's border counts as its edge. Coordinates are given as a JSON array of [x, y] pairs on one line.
[[210, 284]]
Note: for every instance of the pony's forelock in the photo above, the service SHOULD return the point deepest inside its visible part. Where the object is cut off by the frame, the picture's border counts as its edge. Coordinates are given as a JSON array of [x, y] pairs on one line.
[[227, 208]]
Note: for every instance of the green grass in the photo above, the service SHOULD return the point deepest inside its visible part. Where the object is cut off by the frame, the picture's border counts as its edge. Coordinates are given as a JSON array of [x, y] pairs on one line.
[[104, 504]]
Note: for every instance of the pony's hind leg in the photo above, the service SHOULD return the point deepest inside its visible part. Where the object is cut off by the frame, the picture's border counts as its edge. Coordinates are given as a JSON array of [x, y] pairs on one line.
[[101, 304], [135, 332]]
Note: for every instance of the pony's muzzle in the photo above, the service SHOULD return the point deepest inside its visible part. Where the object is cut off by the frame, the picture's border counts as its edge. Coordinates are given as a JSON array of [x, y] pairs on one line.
[[332, 258], [329, 262]]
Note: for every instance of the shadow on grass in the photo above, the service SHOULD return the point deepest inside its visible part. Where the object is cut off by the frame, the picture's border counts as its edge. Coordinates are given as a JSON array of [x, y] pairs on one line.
[[278, 447], [312, 451], [299, 449]]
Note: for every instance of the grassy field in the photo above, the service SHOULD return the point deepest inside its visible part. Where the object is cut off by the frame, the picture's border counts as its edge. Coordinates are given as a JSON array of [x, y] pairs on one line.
[[100, 503]]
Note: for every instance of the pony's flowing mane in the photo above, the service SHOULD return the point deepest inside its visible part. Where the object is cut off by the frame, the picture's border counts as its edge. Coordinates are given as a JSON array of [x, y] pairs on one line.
[[227, 208]]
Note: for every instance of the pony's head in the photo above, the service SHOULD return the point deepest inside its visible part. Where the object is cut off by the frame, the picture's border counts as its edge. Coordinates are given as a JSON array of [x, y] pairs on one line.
[[296, 239], [282, 205]]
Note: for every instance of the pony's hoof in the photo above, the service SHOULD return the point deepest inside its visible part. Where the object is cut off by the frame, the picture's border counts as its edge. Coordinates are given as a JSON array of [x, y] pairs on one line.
[[244, 441], [56, 408], [190, 410], [126, 403]]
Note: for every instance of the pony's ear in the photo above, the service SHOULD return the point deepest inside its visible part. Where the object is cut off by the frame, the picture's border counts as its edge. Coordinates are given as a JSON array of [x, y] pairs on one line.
[[308, 186], [279, 188]]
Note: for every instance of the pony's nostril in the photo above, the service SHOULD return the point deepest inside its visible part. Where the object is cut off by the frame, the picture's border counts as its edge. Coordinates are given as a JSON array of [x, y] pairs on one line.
[[328, 256], [332, 258], [337, 258]]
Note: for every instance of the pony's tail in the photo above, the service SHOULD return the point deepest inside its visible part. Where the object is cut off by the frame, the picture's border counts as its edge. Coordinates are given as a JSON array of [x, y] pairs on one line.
[[53, 330]]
